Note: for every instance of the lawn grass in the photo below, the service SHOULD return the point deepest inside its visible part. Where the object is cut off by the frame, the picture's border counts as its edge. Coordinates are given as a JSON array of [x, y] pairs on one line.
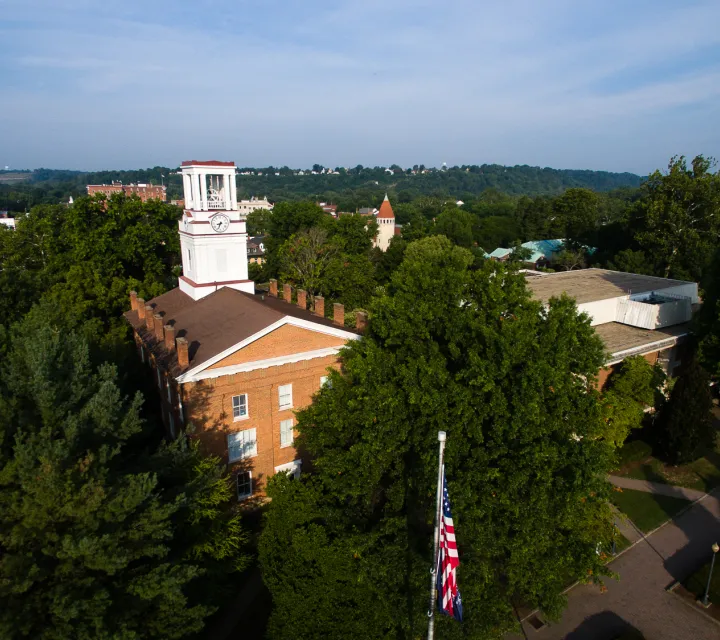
[[702, 474], [697, 582], [647, 510]]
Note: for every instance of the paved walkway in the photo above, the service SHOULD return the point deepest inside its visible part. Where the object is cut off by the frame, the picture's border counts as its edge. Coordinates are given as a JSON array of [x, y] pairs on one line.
[[657, 487], [639, 600]]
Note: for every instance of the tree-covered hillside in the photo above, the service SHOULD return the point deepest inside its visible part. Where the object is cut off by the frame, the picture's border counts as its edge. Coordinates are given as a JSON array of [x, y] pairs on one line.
[[350, 188]]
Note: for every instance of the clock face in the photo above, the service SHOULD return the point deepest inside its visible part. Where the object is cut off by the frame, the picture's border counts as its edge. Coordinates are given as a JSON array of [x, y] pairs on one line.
[[220, 222]]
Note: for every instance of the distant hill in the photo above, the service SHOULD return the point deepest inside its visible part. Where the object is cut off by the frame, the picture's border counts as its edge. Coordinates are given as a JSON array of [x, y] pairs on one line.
[[357, 186]]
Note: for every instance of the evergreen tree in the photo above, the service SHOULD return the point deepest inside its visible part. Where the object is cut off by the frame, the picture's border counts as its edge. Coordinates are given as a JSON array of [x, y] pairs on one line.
[[346, 551], [99, 538], [685, 427]]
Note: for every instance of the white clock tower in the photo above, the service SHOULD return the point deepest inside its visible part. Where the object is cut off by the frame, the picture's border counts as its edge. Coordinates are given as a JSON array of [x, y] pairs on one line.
[[213, 237]]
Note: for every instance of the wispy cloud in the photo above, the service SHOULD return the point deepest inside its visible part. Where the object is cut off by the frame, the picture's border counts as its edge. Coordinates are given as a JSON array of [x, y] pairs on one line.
[[346, 81]]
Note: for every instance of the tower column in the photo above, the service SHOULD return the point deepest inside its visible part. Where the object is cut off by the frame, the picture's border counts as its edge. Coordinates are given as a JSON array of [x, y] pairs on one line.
[[226, 191], [233, 192], [203, 192], [197, 202], [187, 191]]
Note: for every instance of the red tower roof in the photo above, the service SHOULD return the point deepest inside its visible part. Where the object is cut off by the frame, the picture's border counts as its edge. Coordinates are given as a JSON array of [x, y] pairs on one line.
[[385, 209]]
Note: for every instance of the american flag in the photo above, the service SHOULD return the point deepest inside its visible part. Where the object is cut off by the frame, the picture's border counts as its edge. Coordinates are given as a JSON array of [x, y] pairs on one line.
[[449, 601]]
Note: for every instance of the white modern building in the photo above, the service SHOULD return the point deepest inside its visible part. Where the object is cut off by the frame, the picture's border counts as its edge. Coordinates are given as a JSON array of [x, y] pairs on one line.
[[213, 235], [633, 314]]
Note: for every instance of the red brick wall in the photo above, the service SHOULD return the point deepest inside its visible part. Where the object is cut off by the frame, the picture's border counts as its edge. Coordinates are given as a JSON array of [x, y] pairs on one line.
[[208, 406], [283, 341]]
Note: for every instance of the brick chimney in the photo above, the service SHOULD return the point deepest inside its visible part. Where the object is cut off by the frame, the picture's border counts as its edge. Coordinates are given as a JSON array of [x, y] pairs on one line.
[[273, 287], [338, 314], [287, 292], [158, 327], [169, 337], [361, 320], [320, 306], [183, 355], [133, 300], [149, 320], [141, 308], [302, 298]]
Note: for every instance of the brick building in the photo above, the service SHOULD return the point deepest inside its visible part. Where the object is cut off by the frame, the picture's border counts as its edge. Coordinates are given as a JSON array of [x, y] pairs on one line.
[[234, 365], [143, 191]]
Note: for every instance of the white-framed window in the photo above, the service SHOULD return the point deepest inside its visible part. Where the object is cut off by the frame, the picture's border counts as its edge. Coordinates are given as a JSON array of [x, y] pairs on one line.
[[323, 381], [171, 424], [242, 445], [286, 432], [292, 468], [285, 396], [244, 484], [240, 407]]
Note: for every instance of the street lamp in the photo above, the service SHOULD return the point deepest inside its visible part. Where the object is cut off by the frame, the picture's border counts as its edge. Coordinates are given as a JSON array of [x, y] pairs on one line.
[[705, 600]]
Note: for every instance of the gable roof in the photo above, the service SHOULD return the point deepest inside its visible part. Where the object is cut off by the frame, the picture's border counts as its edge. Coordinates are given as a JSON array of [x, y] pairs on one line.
[[216, 323], [385, 209]]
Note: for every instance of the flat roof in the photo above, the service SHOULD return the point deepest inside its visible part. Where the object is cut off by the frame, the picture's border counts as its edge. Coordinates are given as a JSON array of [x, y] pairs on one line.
[[620, 338], [590, 285]]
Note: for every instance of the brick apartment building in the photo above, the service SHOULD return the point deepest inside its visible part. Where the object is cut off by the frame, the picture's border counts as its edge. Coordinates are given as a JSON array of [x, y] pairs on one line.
[[143, 191]]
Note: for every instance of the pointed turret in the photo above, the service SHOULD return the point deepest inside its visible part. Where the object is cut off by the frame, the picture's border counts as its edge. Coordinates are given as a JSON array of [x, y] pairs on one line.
[[386, 211]]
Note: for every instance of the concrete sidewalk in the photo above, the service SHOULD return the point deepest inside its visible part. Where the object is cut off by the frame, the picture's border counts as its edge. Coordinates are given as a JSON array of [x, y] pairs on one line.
[[639, 600], [657, 487]]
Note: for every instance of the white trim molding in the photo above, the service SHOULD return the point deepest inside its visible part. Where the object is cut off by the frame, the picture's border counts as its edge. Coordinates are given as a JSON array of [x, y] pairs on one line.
[[651, 347], [258, 364], [293, 468], [201, 371]]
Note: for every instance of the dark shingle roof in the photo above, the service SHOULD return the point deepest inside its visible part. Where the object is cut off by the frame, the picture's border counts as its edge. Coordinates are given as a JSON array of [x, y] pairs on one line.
[[216, 322]]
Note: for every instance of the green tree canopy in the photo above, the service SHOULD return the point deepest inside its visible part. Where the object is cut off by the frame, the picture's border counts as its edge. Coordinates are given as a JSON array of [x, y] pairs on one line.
[[685, 429], [98, 537], [457, 225], [346, 551], [632, 388], [679, 218]]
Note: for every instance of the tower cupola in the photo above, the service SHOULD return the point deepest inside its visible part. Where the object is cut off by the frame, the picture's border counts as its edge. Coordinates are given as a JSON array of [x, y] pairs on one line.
[[213, 234]]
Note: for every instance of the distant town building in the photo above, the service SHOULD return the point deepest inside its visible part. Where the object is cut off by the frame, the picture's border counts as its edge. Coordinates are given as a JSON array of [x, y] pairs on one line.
[[6, 220], [248, 206], [256, 249], [542, 252], [143, 191], [328, 208], [367, 211]]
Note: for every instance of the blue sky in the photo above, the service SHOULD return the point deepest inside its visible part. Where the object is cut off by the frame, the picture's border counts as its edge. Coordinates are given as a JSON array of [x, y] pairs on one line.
[[616, 85]]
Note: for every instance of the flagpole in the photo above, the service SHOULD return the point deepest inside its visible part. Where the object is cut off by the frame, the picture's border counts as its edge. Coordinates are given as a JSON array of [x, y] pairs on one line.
[[438, 508]]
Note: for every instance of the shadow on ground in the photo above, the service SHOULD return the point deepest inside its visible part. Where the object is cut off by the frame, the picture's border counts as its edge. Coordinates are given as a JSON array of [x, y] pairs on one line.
[[605, 625]]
